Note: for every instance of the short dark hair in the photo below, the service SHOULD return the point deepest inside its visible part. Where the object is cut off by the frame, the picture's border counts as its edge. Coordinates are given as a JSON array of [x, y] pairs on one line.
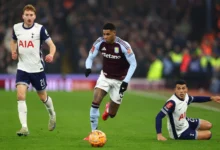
[[109, 26], [181, 82]]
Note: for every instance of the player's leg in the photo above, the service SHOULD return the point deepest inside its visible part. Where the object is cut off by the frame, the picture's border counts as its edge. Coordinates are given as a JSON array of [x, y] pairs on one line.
[[199, 124], [99, 94], [113, 109], [190, 134], [116, 99], [204, 125], [204, 134], [22, 82], [47, 100], [38, 80], [100, 91]]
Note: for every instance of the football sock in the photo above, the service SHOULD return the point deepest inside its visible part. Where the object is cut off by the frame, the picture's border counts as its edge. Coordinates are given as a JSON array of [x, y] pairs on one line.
[[22, 112], [49, 105], [94, 116]]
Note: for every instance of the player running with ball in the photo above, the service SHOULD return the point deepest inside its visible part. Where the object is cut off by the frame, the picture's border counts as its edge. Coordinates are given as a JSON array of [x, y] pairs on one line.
[[119, 64]]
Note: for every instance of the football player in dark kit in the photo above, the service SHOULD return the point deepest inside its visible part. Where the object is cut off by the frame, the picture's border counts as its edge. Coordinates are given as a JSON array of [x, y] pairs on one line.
[[119, 64]]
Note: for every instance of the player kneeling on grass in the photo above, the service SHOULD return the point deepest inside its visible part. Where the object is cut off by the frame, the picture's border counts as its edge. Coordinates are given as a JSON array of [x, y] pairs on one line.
[[179, 126]]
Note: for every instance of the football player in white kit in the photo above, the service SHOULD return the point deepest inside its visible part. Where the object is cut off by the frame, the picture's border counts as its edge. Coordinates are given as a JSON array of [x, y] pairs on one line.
[[26, 44], [179, 126]]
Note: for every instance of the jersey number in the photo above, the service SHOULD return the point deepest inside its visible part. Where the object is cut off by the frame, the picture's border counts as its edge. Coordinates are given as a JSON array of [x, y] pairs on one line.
[[42, 82]]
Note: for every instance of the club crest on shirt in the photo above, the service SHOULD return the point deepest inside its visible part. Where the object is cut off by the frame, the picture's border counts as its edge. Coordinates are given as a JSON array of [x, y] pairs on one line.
[[116, 50]]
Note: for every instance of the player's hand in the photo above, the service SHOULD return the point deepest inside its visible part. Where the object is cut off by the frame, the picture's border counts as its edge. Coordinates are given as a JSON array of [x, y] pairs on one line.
[[87, 72], [14, 55], [216, 99], [160, 137], [123, 87], [49, 58]]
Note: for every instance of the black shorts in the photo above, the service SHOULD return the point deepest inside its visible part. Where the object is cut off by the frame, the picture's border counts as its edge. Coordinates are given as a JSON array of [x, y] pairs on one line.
[[38, 80]]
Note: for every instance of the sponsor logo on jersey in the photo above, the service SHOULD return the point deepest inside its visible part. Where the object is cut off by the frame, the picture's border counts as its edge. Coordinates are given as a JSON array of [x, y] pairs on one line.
[[25, 44], [182, 116], [116, 50], [111, 56]]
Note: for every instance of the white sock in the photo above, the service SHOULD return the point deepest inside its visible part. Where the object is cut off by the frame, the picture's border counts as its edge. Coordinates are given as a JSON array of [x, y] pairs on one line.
[[22, 112], [49, 105]]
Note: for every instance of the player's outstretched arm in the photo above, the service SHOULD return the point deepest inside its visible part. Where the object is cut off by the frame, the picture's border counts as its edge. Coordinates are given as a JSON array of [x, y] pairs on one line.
[[215, 99], [50, 56], [13, 45], [159, 118], [201, 99]]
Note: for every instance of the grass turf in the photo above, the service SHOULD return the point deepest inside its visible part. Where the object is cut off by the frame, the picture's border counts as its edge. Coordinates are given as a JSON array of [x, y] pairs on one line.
[[132, 129]]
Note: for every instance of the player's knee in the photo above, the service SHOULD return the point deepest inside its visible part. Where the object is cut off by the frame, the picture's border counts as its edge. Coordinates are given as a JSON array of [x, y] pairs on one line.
[[209, 135], [43, 96], [21, 96], [112, 115], [209, 125]]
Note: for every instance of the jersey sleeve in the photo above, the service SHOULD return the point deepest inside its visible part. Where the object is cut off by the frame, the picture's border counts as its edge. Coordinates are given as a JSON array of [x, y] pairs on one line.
[[129, 55], [198, 99], [44, 34], [14, 37], [93, 53], [169, 107]]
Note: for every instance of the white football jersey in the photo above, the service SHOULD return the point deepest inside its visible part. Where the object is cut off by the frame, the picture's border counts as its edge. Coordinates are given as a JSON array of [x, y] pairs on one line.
[[176, 112], [29, 42]]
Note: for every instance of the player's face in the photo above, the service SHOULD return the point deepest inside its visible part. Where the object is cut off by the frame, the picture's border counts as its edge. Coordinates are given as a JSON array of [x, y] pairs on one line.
[[28, 17], [181, 90], [109, 36]]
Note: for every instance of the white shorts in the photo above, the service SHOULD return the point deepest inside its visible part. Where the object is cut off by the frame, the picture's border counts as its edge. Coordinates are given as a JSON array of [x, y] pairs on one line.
[[111, 86]]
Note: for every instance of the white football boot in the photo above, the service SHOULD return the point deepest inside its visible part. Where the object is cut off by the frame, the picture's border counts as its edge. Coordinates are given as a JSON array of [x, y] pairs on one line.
[[23, 132], [52, 123]]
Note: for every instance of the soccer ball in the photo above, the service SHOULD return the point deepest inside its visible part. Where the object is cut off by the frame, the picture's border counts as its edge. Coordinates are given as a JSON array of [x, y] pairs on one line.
[[97, 138]]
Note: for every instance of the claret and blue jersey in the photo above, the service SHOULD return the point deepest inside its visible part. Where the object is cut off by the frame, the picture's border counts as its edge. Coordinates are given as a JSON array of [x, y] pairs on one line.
[[118, 58]]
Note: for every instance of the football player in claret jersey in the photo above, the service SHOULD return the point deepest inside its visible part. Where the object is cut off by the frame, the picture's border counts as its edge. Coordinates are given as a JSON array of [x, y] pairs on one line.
[[179, 125], [26, 44], [119, 64]]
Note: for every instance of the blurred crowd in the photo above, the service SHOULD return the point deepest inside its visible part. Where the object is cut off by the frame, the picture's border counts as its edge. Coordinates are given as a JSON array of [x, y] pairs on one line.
[[170, 38]]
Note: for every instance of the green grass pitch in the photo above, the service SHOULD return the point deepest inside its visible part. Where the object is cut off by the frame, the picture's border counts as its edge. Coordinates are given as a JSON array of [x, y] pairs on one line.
[[132, 129]]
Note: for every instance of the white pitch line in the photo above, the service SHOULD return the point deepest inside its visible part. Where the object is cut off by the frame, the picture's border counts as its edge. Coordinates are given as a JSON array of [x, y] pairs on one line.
[[157, 96]]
